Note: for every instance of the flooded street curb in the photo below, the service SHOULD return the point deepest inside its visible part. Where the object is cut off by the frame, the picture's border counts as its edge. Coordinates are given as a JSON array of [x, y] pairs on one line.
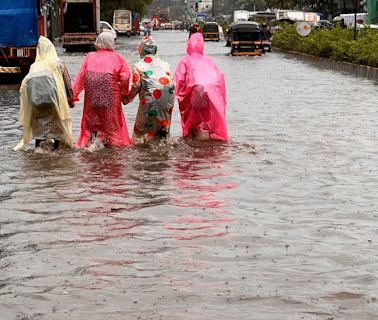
[[352, 68]]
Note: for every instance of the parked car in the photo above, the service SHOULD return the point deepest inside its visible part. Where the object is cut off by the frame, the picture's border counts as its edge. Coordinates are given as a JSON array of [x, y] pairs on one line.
[[106, 27], [166, 26], [323, 24], [177, 25]]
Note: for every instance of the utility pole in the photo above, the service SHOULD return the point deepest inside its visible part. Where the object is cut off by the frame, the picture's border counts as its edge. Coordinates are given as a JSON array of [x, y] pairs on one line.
[[331, 9], [355, 19], [213, 9], [186, 10]]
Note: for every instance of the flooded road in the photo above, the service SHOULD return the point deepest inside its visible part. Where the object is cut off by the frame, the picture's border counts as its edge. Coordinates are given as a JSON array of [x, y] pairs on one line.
[[278, 223]]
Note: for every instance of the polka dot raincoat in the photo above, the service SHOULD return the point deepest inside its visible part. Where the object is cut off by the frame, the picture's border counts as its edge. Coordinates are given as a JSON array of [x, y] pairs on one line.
[[153, 81]]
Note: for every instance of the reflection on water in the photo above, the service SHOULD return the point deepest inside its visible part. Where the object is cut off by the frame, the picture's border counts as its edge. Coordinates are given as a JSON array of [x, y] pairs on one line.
[[278, 223], [199, 172]]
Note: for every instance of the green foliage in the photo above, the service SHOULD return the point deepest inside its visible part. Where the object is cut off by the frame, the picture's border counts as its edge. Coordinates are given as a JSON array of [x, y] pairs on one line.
[[250, 5], [108, 6], [336, 44]]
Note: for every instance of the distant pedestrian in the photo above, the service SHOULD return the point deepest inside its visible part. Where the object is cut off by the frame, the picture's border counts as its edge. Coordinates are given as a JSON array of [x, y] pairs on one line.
[[153, 81], [201, 94], [45, 97], [149, 27], [104, 77], [136, 27], [194, 29], [266, 34]]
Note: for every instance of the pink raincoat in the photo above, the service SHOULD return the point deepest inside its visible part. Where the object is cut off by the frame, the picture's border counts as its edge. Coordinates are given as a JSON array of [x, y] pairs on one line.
[[104, 76], [201, 93]]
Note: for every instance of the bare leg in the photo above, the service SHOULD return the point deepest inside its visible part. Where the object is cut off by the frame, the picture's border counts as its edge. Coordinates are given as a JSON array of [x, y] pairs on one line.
[[56, 144], [38, 142]]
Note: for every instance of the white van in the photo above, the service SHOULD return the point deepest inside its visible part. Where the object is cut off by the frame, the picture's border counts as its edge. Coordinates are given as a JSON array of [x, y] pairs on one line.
[[106, 27]]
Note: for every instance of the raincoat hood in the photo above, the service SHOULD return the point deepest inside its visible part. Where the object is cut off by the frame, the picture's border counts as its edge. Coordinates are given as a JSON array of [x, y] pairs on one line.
[[147, 46], [195, 44], [105, 41], [46, 51]]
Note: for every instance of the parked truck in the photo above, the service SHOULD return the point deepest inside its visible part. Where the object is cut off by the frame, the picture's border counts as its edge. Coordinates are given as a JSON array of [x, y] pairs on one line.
[[80, 24], [122, 22], [19, 37]]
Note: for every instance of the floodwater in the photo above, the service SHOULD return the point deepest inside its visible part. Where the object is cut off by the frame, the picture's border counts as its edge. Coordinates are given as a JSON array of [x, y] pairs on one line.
[[278, 223]]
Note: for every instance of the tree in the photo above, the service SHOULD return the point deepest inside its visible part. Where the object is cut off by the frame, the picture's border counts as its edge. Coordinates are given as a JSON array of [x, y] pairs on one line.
[[281, 4], [251, 5], [108, 6]]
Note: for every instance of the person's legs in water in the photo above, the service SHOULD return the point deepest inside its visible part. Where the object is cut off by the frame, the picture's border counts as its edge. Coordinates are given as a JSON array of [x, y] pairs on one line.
[[96, 142], [93, 136], [41, 146], [162, 133], [56, 144], [38, 142]]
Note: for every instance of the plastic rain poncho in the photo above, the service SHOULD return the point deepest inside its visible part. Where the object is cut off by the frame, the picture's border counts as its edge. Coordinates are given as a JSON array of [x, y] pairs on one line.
[[153, 81], [54, 120], [201, 93], [104, 77]]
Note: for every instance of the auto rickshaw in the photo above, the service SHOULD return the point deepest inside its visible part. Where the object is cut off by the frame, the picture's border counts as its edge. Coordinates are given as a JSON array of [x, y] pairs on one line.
[[210, 31], [245, 37]]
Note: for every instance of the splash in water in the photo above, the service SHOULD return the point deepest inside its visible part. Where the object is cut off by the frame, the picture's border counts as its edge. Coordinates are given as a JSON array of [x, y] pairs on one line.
[[95, 145]]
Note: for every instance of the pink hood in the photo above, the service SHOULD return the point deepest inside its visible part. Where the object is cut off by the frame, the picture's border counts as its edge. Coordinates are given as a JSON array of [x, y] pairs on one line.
[[195, 44]]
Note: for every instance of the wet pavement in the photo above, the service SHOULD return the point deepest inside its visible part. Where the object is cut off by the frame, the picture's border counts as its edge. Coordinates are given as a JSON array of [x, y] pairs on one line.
[[278, 223]]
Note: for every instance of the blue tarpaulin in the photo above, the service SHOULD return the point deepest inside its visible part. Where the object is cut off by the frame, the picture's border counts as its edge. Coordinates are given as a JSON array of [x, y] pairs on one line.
[[18, 21]]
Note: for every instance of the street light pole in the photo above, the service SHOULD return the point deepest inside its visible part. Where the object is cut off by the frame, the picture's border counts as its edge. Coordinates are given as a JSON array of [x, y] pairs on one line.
[[355, 19], [186, 10]]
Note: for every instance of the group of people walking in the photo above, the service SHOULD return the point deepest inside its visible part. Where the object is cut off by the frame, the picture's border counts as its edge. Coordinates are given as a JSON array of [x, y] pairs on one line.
[[46, 94]]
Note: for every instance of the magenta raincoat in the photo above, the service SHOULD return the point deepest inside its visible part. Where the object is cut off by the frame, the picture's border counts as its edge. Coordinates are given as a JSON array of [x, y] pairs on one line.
[[201, 93], [104, 76]]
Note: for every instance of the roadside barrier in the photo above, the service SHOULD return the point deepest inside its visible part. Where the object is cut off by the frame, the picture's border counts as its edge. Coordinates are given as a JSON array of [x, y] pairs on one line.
[[352, 68]]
